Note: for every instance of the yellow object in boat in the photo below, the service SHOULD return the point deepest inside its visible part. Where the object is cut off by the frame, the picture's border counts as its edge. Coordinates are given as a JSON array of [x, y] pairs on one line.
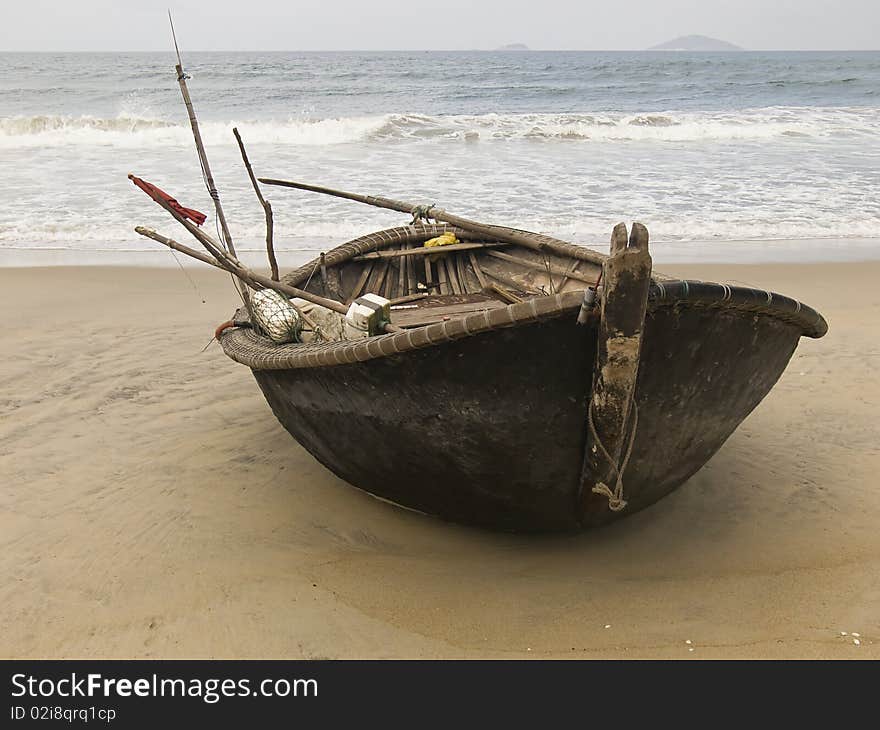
[[445, 239]]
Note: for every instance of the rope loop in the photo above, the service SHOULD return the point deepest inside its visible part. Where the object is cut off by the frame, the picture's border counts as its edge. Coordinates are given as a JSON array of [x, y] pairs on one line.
[[616, 502]]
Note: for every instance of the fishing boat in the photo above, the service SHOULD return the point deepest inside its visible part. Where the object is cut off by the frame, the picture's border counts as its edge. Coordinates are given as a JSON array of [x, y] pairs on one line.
[[494, 376], [482, 407]]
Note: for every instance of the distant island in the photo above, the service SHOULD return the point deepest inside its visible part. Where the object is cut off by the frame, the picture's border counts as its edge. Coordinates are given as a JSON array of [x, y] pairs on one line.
[[513, 47], [695, 43]]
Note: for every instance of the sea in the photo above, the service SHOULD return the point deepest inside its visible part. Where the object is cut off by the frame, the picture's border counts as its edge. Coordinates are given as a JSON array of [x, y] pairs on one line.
[[740, 156]]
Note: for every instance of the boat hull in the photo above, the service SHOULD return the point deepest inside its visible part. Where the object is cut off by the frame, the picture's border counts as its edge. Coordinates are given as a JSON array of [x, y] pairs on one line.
[[491, 429]]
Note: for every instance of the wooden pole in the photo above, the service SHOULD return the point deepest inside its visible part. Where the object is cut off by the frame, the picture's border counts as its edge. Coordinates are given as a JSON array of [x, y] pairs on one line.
[[229, 262], [215, 248], [266, 205], [171, 243], [254, 279], [520, 238], [227, 243]]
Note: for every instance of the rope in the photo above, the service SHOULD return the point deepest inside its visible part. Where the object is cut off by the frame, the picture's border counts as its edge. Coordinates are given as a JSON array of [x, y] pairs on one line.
[[309, 280], [186, 274], [616, 502], [420, 213]]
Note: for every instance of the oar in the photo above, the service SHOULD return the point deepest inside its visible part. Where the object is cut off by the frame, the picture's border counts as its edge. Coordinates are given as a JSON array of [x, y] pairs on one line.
[[499, 233]]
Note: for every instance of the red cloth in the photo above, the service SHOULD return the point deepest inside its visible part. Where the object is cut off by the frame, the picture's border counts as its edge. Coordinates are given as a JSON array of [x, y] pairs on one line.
[[157, 194]]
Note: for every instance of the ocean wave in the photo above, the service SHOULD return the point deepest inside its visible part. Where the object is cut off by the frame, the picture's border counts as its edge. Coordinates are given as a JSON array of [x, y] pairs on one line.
[[44, 124], [133, 131], [82, 231], [138, 132]]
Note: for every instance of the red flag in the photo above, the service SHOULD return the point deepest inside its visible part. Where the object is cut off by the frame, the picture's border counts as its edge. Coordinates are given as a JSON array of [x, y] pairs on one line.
[[157, 194]]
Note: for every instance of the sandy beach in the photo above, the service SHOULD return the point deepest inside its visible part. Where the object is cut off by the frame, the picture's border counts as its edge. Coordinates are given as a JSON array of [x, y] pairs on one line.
[[152, 506]]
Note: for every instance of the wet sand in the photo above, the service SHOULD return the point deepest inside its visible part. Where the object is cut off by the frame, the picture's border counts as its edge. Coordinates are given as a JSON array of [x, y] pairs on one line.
[[152, 506]]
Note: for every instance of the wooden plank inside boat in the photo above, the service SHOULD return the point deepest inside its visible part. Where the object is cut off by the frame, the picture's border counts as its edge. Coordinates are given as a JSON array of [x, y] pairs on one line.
[[440, 308]]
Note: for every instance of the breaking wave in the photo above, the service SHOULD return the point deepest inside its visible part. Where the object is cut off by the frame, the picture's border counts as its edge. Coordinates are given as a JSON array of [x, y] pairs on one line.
[[130, 131]]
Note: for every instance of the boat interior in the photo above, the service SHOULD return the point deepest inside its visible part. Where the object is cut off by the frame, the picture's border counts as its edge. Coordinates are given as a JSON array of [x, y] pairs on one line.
[[429, 283]]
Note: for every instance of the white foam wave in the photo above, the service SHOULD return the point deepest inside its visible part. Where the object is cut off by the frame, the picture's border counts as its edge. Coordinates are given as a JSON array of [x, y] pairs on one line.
[[137, 133], [132, 131], [319, 235]]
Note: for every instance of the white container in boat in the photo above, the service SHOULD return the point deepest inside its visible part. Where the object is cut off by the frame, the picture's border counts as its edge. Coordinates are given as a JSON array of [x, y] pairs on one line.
[[273, 313], [369, 313]]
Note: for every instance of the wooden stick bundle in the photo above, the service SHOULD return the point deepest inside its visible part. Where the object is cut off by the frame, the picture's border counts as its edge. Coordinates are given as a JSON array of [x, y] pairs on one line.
[[248, 276]]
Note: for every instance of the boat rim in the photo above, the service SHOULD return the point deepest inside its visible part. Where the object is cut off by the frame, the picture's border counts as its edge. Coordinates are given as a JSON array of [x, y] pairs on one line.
[[258, 352]]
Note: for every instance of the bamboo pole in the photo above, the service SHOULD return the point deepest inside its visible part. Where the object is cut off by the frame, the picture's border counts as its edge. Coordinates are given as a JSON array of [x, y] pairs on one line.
[[200, 147], [499, 233], [215, 248], [234, 266], [171, 243], [241, 271], [252, 278], [267, 208], [226, 237]]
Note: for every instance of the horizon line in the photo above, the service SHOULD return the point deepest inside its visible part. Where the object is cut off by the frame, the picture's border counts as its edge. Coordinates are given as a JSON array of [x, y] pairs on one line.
[[458, 50]]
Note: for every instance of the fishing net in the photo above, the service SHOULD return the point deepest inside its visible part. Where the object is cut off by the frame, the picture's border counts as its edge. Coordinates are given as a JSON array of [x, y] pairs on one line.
[[275, 316]]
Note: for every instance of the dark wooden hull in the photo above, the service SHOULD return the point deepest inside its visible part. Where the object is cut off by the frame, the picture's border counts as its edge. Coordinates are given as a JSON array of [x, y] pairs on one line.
[[491, 429]]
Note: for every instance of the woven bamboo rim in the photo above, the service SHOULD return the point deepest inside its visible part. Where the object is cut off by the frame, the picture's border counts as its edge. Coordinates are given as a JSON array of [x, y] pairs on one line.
[[260, 353], [420, 233]]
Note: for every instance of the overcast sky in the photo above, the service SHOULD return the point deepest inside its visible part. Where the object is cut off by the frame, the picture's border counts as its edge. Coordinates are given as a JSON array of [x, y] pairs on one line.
[[114, 25]]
